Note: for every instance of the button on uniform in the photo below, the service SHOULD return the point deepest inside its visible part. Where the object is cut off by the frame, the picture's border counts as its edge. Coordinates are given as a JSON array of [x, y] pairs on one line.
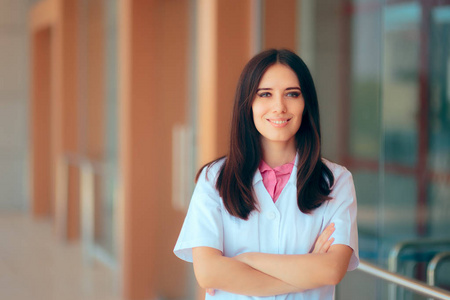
[[271, 215]]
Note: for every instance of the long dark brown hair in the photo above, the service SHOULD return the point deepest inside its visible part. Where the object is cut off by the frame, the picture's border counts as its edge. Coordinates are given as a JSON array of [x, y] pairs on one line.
[[314, 178]]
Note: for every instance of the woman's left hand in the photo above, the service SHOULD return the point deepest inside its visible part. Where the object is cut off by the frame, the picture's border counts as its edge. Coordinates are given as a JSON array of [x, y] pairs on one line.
[[324, 241], [326, 264]]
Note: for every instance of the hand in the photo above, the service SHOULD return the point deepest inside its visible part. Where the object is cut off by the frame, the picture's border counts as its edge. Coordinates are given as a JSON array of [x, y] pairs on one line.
[[211, 292], [242, 257], [324, 242]]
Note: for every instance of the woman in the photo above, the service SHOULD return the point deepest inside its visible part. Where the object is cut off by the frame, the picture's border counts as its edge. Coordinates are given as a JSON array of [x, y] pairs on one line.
[[272, 218]]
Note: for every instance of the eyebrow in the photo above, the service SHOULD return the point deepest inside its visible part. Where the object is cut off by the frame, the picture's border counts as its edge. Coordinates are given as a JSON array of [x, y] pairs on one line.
[[287, 89]]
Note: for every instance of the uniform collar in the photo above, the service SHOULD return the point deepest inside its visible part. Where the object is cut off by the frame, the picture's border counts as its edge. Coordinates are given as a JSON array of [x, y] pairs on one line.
[[292, 179]]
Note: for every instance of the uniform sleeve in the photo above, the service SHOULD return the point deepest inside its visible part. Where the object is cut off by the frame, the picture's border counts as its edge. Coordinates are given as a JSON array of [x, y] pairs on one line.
[[341, 210], [203, 224]]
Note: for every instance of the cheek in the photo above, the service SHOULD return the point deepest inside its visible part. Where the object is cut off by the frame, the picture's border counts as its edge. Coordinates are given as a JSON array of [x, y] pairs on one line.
[[257, 118], [257, 112], [301, 109], [297, 109]]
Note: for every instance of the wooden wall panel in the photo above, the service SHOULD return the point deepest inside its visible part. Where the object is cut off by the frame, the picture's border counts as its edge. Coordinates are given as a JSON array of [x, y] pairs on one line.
[[280, 24], [139, 123], [41, 178], [173, 110], [225, 42]]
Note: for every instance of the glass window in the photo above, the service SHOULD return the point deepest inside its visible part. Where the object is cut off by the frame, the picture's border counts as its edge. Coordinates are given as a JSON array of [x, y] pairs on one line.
[[398, 145]]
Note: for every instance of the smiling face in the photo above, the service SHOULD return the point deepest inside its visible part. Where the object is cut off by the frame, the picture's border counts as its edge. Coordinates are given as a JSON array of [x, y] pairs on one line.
[[278, 106]]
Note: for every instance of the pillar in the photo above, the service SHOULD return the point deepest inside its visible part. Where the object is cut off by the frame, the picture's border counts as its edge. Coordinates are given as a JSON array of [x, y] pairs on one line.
[[280, 24], [224, 47], [138, 138]]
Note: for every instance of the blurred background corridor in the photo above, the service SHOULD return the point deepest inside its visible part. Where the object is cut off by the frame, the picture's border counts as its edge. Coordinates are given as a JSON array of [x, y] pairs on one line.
[[108, 108]]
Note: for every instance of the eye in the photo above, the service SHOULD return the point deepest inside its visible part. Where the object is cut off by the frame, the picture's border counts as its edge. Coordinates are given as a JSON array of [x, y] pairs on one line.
[[264, 94], [293, 94]]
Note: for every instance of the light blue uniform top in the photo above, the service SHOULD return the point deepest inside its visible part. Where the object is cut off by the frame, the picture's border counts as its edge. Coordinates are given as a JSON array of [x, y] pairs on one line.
[[278, 228]]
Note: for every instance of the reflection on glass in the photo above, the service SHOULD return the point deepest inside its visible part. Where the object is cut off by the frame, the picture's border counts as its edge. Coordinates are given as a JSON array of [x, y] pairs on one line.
[[439, 152], [399, 211], [400, 82], [365, 86], [399, 119], [439, 139], [367, 213], [365, 126], [439, 211]]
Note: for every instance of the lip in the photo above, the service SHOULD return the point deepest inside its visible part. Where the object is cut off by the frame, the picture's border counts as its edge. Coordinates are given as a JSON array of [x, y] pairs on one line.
[[279, 122]]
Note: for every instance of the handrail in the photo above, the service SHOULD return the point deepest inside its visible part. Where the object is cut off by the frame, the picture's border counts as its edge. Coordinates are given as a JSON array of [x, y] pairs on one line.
[[399, 247], [433, 265], [395, 252], [411, 284]]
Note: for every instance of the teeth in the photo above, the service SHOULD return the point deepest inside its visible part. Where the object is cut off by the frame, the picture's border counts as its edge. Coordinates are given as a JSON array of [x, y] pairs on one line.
[[279, 122]]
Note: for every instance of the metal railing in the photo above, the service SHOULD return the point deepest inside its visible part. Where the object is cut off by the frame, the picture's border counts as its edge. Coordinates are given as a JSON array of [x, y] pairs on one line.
[[434, 264], [408, 283], [400, 247], [416, 246]]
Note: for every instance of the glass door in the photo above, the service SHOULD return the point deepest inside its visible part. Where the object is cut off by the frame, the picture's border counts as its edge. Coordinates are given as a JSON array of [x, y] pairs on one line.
[[438, 160], [398, 144]]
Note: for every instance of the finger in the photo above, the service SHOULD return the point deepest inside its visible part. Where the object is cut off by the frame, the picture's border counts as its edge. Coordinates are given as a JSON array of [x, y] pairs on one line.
[[326, 234], [326, 246], [323, 248], [211, 292], [328, 231], [323, 237]]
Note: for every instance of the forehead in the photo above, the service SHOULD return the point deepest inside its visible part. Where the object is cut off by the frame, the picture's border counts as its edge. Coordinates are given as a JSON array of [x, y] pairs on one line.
[[279, 75]]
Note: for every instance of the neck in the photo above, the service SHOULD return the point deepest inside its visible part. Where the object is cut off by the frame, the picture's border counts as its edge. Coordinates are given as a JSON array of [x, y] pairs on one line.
[[277, 154]]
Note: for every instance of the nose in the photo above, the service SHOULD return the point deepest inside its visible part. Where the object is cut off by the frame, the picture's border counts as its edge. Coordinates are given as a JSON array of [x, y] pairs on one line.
[[279, 105]]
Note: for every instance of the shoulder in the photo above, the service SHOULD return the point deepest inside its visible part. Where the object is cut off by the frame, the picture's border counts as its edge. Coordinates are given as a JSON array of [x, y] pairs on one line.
[[211, 170], [208, 173], [205, 193], [340, 173]]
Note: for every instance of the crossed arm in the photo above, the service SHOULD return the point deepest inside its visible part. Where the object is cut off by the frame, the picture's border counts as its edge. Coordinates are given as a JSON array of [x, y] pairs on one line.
[[261, 274]]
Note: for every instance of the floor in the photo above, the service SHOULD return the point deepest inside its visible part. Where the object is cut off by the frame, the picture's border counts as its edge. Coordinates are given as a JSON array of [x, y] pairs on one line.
[[35, 264]]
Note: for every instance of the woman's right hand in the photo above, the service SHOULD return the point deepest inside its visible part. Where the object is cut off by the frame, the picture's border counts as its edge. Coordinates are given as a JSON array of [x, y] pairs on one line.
[[324, 241]]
